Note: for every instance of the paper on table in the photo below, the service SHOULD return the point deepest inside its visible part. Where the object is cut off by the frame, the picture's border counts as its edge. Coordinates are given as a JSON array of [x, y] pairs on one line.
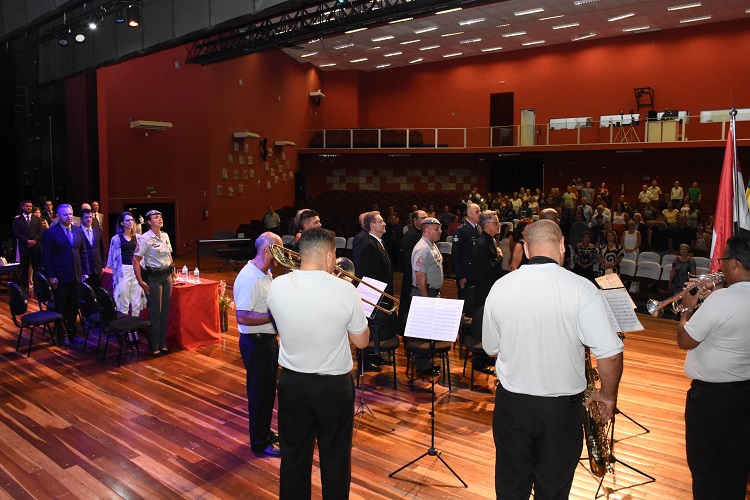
[[433, 318], [621, 315], [370, 294]]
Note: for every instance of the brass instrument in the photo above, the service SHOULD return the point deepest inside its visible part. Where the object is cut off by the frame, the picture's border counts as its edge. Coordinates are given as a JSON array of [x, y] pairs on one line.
[[656, 308], [291, 260], [595, 431]]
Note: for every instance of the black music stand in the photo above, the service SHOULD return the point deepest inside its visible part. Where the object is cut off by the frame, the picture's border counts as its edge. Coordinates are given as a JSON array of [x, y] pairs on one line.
[[431, 451]]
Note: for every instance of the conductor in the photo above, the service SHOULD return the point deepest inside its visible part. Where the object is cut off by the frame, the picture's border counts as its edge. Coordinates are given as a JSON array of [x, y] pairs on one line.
[[316, 315]]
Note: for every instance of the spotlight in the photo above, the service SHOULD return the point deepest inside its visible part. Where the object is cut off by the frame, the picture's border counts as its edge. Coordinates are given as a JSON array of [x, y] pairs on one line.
[[63, 41], [120, 17], [92, 25], [80, 37], [134, 15]]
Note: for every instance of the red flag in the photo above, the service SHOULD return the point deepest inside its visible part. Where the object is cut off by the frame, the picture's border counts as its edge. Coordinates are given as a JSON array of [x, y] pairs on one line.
[[731, 205]]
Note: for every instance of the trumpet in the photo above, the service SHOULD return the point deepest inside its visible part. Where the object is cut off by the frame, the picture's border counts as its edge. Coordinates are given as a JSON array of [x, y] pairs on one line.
[[291, 260], [656, 308]]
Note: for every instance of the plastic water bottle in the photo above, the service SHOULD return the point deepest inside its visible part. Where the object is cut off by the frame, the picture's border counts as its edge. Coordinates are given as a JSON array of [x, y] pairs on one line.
[[197, 275], [184, 273]]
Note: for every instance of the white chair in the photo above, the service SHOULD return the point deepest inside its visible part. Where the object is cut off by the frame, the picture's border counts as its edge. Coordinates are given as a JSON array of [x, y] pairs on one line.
[[508, 223], [665, 272], [534, 217], [449, 238], [444, 247], [702, 262], [701, 270], [631, 256], [627, 267], [349, 243], [667, 259], [340, 242], [648, 269], [287, 239], [648, 257]]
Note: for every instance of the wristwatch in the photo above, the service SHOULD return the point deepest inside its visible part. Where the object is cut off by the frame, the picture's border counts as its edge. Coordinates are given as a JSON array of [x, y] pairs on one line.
[[687, 309]]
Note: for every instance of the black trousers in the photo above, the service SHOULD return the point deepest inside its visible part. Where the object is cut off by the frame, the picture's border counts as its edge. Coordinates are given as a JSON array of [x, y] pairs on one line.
[[66, 303], [260, 355], [94, 280], [315, 407], [160, 293], [538, 442], [717, 439]]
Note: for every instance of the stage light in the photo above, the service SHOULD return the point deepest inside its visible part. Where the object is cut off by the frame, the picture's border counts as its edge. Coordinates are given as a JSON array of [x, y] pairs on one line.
[[63, 41], [80, 37], [120, 17], [134, 15]]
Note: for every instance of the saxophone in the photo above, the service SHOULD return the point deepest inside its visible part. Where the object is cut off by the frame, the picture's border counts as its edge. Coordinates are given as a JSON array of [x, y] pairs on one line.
[[595, 431]]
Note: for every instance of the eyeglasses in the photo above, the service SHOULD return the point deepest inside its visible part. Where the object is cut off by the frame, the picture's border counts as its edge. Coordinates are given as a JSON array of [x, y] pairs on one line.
[[724, 258]]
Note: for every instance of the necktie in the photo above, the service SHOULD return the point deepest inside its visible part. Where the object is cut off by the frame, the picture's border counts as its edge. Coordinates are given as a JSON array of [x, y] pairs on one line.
[[69, 234], [28, 219], [90, 236]]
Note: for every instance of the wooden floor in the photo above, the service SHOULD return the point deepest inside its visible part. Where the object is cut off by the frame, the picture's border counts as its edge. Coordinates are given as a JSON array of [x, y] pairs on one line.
[[73, 426]]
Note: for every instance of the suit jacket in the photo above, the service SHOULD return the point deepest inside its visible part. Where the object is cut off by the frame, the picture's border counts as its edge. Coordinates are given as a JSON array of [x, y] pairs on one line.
[[24, 231], [361, 236], [62, 260], [461, 251], [46, 216], [486, 267], [374, 262], [95, 252], [97, 220]]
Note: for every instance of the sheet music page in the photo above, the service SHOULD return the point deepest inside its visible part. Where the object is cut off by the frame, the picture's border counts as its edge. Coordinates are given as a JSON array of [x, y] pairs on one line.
[[370, 294], [433, 318], [619, 307], [609, 281]]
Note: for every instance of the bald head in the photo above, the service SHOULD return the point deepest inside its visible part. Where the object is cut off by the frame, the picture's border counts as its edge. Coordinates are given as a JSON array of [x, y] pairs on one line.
[[545, 239], [548, 214]]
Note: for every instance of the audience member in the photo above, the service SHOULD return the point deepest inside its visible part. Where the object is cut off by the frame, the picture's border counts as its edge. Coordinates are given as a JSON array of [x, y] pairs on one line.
[[94, 241], [702, 242], [408, 241], [272, 221], [97, 218], [676, 194], [48, 213], [584, 257], [631, 240], [505, 243], [658, 236], [358, 239], [519, 246], [24, 225], [670, 213], [655, 191], [682, 267], [487, 258], [694, 192], [644, 196], [128, 294], [461, 251], [681, 233], [609, 255], [577, 229]]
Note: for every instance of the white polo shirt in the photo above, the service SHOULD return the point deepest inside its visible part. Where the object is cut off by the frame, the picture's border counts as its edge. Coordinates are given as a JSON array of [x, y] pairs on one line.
[[250, 294]]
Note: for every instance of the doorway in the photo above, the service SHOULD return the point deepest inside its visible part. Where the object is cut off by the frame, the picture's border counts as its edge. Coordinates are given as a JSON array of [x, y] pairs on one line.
[[528, 122], [501, 119]]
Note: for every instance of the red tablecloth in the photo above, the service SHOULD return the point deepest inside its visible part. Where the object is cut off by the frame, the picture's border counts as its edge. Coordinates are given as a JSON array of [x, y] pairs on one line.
[[193, 312]]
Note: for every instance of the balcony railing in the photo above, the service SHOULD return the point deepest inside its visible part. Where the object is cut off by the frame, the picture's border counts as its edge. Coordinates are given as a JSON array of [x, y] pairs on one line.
[[592, 133]]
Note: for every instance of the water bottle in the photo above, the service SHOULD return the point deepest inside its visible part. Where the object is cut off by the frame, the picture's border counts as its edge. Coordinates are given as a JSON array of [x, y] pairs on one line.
[[184, 273], [197, 275]]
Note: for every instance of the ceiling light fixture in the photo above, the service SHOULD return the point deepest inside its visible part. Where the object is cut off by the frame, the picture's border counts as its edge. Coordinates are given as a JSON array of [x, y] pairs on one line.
[[454, 54], [327, 65], [563, 26], [502, 25], [409, 41], [471, 40], [80, 37], [452, 34], [448, 10], [492, 49], [583, 37], [354, 31], [583, 2], [416, 60], [624, 16], [380, 66], [396, 21], [550, 17], [529, 11], [685, 6], [695, 19], [425, 30], [315, 40], [361, 59], [517, 33], [63, 41], [535, 42], [430, 47], [392, 54], [472, 21], [637, 28], [346, 45], [309, 54], [381, 38], [134, 15], [92, 25]]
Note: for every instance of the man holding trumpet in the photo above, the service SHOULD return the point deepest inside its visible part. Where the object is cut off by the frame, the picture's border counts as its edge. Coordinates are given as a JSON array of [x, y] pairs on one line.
[[717, 410]]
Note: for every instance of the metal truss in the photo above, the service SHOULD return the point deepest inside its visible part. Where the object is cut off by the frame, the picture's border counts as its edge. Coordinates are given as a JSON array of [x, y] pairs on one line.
[[309, 22]]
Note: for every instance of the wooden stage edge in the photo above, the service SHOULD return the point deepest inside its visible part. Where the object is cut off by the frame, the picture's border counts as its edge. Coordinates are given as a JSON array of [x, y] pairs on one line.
[[176, 426]]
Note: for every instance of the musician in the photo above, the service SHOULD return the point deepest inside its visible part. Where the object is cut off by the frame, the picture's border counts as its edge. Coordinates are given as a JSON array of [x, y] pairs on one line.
[[463, 244], [316, 315], [717, 410], [306, 219], [258, 345], [374, 262], [537, 424]]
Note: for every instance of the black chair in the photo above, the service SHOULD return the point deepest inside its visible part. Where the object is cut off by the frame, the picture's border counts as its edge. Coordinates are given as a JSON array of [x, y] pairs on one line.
[[421, 348], [19, 306], [88, 309], [467, 315], [386, 349], [43, 292], [125, 328], [473, 343]]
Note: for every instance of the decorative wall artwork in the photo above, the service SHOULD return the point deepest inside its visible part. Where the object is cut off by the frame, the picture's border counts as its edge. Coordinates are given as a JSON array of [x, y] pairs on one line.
[[242, 160], [249, 160], [252, 173], [276, 180], [268, 166], [224, 173], [240, 188], [268, 185], [245, 148], [218, 190], [288, 165], [258, 184], [230, 159], [283, 177], [276, 161], [236, 146], [283, 156], [235, 175], [273, 172], [230, 191], [244, 175]]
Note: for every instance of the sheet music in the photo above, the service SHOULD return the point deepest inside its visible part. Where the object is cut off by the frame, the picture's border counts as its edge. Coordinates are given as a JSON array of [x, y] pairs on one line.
[[621, 313], [370, 294], [433, 318], [609, 281]]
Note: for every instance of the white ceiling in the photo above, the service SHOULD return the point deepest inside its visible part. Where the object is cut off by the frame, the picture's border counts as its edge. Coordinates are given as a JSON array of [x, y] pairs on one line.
[[561, 21]]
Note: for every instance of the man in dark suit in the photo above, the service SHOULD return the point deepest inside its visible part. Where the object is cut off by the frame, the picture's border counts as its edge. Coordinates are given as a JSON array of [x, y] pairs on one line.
[[24, 226], [66, 263], [408, 241], [375, 263], [48, 212], [94, 247], [463, 244], [97, 219]]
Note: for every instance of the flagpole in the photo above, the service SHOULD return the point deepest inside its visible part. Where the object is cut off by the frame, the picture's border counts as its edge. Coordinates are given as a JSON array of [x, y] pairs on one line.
[[735, 205]]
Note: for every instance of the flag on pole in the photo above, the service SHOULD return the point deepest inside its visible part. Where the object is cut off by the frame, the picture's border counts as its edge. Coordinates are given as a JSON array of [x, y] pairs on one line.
[[731, 205]]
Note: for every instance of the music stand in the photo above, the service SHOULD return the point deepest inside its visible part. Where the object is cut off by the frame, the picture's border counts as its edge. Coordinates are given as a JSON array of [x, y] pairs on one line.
[[363, 408], [433, 319]]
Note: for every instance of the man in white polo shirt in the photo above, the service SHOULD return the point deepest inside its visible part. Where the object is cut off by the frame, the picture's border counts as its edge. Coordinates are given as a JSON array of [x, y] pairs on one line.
[[316, 315]]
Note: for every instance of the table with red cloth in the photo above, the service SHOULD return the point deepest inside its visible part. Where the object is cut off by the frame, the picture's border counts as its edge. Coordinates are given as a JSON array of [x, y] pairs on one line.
[[193, 312]]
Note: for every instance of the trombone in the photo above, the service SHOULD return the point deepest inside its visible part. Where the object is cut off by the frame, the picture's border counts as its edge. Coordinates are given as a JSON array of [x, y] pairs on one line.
[[291, 260], [655, 308]]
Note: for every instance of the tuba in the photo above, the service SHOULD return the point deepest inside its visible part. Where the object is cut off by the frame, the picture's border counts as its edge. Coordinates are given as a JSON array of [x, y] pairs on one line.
[[595, 432]]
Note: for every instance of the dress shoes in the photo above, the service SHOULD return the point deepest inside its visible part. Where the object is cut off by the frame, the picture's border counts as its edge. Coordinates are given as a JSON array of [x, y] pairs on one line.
[[377, 360], [274, 436], [72, 341], [483, 368], [429, 371], [272, 450], [369, 366]]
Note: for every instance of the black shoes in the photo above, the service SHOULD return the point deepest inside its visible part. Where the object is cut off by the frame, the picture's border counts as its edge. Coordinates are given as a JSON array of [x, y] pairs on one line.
[[429, 371], [483, 368], [272, 450], [369, 366], [377, 360], [72, 341]]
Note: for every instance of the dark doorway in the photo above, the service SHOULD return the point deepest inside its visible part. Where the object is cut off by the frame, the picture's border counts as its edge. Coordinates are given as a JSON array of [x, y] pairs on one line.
[[508, 174], [300, 186], [501, 118]]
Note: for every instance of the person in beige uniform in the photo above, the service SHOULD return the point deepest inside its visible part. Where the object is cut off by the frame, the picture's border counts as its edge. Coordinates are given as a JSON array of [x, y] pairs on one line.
[[155, 250]]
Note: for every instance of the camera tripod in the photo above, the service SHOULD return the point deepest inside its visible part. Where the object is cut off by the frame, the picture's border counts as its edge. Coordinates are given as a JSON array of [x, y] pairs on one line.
[[627, 132]]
